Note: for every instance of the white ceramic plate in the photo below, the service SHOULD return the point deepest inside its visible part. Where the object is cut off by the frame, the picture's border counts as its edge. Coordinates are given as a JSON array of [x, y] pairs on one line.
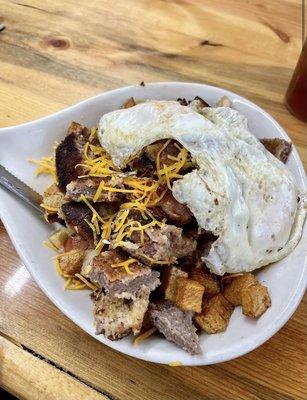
[[286, 279]]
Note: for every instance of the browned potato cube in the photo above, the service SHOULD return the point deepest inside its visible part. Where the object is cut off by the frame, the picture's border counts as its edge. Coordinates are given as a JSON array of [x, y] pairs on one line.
[[233, 291], [188, 294], [255, 300], [201, 276], [170, 275], [71, 262], [215, 315]]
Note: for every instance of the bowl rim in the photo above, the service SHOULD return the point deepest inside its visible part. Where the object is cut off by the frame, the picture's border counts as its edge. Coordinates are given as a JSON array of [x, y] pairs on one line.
[[268, 333]]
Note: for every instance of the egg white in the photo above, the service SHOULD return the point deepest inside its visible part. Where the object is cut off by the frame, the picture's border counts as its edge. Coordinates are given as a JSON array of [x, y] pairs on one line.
[[239, 192]]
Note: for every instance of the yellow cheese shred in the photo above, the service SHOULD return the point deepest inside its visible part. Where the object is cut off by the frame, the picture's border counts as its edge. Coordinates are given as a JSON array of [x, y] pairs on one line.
[[138, 340], [84, 199], [47, 243], [92, 134], [46, 165], [93, 230], [142, 195], [86, 282], [125, 264], [175, 364], [74, 284]]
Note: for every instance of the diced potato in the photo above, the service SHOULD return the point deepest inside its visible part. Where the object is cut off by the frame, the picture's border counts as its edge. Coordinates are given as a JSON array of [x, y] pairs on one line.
[[233, 291], [188, 294], [255, 300], [170, 275], [201, 276], [71, 262], [215, 315]]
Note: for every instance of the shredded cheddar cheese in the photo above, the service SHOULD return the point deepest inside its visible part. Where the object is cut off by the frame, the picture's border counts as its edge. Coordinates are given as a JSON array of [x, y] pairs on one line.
[[125, 264], [92, 226], [87, 283], [47, 243], [138, 340], [46, 165], [92, 134], [142, 195], [83, 198], [175, 364]]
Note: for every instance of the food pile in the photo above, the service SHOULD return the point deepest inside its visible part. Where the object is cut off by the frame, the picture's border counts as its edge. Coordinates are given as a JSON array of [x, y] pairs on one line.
[[139, 250]]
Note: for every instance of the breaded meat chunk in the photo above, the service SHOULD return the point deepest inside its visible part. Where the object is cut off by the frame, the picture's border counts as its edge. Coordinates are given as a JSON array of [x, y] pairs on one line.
[[176, 325], [69, 154], [116, 281], [117, 318]]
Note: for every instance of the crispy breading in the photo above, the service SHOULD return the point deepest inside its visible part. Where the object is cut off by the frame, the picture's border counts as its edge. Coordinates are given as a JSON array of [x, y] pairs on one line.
[[215, 315], [69, 154], [71, 262], [161, 243], [255, 300], [169, 278], [116, 280], [188, 294], [233, 291], [116, 318], [204, 278], [75, 215], [53, 199], [88, 186]]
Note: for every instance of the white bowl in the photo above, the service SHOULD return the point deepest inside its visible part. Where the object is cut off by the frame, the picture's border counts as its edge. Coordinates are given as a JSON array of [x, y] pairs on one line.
[[286, 279]]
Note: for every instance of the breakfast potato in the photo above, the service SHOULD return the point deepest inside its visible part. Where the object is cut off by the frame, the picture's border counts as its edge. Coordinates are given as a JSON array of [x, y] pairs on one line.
[[188, 294], [233, 291], [201, 276], [71, 262], [215, 315], [255, 300], [170, 276]]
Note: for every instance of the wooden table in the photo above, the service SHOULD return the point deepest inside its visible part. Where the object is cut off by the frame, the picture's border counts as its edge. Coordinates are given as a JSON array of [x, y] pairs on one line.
[[56, 53]]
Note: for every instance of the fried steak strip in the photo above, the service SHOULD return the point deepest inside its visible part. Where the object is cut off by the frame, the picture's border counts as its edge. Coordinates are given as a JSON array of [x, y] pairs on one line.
[[69, 154]]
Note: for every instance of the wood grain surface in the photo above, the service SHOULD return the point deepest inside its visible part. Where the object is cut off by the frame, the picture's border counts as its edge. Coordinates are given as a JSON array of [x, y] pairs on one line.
[[56, 53]]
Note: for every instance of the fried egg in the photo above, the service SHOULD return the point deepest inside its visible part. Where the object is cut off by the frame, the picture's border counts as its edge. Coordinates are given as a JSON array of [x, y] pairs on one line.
[[239, 191]]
